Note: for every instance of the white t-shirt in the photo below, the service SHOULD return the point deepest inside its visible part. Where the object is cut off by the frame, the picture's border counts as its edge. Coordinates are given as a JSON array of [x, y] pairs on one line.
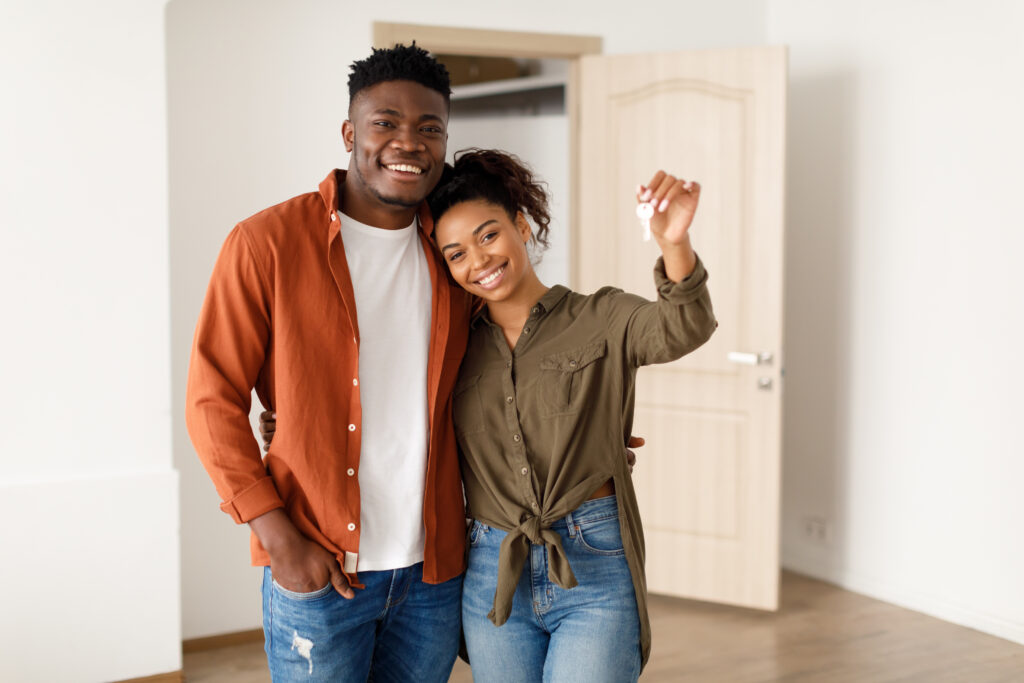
[[392, 287]]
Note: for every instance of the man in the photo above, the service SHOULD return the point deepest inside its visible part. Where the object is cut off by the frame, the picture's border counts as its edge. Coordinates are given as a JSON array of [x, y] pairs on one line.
[[336, 308]]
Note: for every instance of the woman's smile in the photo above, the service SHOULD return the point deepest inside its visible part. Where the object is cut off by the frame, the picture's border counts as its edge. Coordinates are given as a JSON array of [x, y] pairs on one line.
[[491, 277]]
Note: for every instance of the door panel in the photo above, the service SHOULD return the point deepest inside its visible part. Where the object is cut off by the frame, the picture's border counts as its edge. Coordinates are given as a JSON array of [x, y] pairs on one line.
[[708, 480]]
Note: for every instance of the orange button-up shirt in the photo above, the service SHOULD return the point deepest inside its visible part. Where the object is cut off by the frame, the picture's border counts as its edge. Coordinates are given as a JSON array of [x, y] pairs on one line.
[[280, 316]]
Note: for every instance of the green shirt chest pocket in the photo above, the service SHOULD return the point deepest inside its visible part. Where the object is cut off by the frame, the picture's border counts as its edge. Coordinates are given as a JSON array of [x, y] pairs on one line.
[[568, 377]]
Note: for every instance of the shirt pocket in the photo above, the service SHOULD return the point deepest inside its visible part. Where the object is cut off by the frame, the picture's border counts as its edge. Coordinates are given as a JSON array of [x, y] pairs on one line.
[[467, 410], [568, 377]]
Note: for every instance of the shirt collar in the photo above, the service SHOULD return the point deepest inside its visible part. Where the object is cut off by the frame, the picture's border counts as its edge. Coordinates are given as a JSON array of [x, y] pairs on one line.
[[544, 306]]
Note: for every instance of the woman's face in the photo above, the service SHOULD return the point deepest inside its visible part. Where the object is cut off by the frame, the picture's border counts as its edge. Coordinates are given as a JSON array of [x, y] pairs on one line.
[[485, 250]]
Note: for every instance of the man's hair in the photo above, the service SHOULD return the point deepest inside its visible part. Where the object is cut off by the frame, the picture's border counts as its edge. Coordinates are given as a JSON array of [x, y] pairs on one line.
[[399, 63]]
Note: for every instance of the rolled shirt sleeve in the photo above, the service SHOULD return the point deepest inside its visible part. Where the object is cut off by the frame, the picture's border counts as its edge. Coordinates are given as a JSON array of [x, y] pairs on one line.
[[228, 354], [680, 321]]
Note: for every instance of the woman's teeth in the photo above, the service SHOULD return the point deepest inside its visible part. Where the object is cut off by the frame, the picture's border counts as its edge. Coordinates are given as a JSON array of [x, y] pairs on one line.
[[492, 277]]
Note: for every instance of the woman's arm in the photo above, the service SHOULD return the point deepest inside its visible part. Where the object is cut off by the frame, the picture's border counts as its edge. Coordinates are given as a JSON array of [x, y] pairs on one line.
[[682, 319]]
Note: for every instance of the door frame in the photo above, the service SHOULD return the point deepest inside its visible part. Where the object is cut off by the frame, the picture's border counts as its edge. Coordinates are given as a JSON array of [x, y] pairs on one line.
[[454, 40]]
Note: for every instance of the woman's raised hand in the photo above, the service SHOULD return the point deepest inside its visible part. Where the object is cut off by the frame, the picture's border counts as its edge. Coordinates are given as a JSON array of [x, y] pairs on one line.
[[674, 202]]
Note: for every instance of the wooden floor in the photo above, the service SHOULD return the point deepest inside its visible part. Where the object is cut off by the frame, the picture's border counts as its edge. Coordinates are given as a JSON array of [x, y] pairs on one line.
[[821, 634]]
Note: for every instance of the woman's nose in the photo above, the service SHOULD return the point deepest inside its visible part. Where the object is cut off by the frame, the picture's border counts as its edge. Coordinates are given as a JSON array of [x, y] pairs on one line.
[[479, 258]]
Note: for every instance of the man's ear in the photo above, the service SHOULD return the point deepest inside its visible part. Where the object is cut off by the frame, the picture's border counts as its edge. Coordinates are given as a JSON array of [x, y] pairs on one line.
[[523, 226], [348, 134]]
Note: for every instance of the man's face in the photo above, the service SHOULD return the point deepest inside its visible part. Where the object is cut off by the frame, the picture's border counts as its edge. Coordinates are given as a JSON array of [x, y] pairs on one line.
[[397, 134]]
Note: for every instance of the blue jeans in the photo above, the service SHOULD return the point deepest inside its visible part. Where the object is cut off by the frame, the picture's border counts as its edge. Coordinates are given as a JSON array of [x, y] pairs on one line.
[[396, 629], [589, 633]]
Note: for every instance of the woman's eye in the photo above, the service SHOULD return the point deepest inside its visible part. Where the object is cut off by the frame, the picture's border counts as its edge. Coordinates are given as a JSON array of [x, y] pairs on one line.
[[455, 255], [488, 236]]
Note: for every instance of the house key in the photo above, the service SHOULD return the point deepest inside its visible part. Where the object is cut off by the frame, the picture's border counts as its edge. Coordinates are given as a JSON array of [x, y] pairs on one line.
[[645, 211]]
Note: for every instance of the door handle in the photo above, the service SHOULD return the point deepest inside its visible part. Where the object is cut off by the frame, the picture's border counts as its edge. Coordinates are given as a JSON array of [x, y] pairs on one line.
[[746, 358]]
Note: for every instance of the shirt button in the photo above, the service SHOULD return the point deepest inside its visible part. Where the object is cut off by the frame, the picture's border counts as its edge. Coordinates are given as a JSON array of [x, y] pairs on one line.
[[355, 382], [572, 364], [351, 526], [526, 330], [524, 471], [334, 216], [516, 437], [509, 400], [536, 508], [351, 428], [351, 472], [508, 364], [535, 310]]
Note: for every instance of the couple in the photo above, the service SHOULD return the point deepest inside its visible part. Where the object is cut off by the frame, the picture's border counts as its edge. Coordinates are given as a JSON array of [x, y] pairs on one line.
[[350, 311]]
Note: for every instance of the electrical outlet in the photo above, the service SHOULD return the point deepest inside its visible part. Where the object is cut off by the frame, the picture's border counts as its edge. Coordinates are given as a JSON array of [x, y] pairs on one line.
[[816, 530]]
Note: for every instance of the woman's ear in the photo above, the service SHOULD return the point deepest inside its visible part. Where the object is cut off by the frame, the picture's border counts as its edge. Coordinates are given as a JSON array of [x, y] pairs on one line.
[[523, 226]]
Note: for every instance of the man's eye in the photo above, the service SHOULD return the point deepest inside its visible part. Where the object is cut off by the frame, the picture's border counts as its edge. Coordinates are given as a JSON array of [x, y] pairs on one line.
[[385, 124], [433, 130]]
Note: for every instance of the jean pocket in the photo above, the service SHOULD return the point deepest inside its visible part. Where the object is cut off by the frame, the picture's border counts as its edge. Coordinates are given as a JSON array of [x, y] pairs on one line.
[[600, 537], [477, 532], [293, 595]]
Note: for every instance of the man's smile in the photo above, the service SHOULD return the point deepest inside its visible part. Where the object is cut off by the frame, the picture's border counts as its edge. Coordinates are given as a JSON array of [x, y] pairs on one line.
[[404, 168]]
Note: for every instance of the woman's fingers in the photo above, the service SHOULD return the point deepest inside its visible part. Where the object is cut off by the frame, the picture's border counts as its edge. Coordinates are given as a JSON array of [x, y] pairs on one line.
[[665, 188], [658, 195], [652, 186], [675, 191]]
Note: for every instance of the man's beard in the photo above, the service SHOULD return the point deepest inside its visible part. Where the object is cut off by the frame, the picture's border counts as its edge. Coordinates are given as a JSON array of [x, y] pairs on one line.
[[390, 201]]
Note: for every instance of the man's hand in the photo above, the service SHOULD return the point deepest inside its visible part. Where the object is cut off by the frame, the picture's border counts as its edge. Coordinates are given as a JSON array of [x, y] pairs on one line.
[[296, 563], [268, 424], [634, 442]]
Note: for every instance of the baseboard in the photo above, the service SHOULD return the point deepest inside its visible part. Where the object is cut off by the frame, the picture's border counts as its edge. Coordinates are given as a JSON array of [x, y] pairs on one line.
[[172, 677], [903, 596], [222, 640]]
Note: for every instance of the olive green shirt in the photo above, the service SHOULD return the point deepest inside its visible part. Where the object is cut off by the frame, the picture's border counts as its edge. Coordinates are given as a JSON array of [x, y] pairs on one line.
[[543, 426]]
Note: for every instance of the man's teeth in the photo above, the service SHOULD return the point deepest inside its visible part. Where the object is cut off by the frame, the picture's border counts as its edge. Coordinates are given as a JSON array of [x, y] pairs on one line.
[[406, 168], [492, 277]]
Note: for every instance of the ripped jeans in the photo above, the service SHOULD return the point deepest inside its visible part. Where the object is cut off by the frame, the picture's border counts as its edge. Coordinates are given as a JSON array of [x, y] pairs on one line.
[[398, 628]]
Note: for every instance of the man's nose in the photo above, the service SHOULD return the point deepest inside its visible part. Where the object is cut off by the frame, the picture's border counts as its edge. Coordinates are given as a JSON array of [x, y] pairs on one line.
[[408, 140]]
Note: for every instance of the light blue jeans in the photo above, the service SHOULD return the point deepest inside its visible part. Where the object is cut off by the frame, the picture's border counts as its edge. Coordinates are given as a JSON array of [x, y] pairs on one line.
[[397, 629], [590, 633]]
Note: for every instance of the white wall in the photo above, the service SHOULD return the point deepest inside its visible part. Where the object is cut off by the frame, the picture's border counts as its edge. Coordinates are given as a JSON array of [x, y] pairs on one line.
[[88, 494], [541, 141], [257, 94], [905, 302]]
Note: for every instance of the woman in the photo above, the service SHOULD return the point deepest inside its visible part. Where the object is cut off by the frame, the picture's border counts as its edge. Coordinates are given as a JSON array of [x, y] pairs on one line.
[[555, 588]]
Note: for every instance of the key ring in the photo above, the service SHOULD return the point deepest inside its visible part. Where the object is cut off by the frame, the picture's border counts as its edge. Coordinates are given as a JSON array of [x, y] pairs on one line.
[[645, 211]]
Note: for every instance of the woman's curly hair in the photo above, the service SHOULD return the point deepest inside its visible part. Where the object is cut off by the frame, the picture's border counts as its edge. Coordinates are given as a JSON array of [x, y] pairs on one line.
[[497, 177]]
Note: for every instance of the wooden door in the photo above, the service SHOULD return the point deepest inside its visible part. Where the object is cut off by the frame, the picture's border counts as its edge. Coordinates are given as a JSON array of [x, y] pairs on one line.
[[708, 479]]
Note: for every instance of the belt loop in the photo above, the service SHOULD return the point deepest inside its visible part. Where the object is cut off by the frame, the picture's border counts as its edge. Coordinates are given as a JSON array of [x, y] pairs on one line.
[[571, 525]]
